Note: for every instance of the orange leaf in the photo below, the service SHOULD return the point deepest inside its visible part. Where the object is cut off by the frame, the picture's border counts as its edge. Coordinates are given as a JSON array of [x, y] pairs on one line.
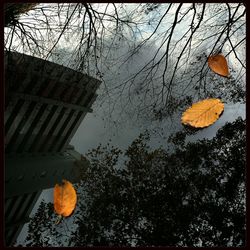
[[203, 113], [64, 198], [218, 64]]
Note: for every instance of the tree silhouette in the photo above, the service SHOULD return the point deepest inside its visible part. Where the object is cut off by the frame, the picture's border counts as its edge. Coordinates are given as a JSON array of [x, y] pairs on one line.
[[193, 196], [174, 41], [152, 59]]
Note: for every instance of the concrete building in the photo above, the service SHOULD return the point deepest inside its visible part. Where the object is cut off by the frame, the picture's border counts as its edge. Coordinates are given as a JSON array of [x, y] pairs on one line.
[[44, 105]]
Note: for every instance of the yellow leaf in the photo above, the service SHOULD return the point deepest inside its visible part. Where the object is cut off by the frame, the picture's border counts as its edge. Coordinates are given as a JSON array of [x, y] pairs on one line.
[[203, 113], [64, 198], [218, 64]]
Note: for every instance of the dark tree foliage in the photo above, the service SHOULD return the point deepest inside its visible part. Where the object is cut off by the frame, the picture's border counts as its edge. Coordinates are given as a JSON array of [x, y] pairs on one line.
[[194, 196], [43, 230], [38, 225]]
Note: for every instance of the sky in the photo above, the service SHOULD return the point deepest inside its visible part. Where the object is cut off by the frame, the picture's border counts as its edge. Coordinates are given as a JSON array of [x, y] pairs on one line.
[[96, 129]]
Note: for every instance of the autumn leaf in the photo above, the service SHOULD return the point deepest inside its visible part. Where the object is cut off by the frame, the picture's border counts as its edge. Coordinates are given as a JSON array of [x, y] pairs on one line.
[[64, 198], [218, 64], [203, 113]]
